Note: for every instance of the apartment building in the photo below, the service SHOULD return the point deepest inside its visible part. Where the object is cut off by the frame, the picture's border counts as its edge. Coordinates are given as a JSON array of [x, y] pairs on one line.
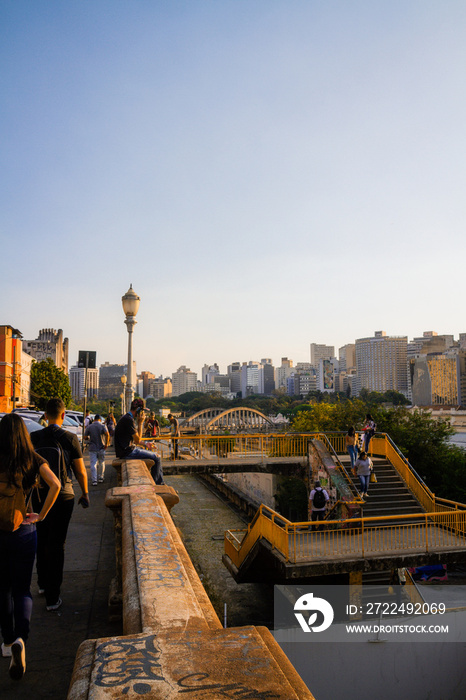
[[49, 343], [321, 352], [78, 381], [183, 380], [381, 362]]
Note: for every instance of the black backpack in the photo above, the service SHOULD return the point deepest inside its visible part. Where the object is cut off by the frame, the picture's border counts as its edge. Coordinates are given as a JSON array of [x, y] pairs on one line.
[[51, 450], [319, 499]]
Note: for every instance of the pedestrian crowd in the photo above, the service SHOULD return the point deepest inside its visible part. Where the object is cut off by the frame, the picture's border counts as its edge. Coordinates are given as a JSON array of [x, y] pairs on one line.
[[36, 503], [37, 499], [361, 466]]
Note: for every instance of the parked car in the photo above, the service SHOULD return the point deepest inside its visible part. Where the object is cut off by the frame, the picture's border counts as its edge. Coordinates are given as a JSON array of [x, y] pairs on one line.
[[28, 413], [77, 415], [31, 425]]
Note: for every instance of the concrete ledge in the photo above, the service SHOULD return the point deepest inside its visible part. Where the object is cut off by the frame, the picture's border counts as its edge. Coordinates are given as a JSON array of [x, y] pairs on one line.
[[174, 642]]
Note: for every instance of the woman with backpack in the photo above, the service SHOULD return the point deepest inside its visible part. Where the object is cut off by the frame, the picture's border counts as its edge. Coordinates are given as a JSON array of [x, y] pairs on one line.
[[20, 467]]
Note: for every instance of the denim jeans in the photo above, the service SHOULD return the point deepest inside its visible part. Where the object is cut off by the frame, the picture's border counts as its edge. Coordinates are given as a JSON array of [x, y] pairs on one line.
[[364, 481], [99, 458], [51, 537], [156, 469], [367, 439], [353, 453], [17, 554]]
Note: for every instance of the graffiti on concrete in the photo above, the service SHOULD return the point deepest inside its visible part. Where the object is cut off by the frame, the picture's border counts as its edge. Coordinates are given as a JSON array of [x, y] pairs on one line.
[[153, 546], [199, 682], [132, 664]]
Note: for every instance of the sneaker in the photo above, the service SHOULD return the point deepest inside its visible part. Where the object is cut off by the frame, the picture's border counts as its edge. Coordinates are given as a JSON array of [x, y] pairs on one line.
[[6, 650], [94, 483], [18, 660], [56, 606], [101, 480]]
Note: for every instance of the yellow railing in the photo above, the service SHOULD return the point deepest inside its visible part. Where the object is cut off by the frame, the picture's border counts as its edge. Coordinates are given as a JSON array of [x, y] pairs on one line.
[[235, 446], [358, 537], [296, 445]]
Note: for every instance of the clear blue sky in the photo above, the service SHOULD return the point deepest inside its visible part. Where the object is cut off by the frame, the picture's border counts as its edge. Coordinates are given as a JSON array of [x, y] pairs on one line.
[[266, 173]]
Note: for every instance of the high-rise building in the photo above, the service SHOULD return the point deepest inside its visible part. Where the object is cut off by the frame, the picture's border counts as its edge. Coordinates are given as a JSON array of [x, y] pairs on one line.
[[430, 342], [49, 343], [381, 363], [145, 377], [78, 381], [347, 358], [267, 381], [234, 374], [438, 379], [326, 371], [183, 380], [250, 378], [209, 372], [160, 388], [283, 373], [110, 384], [321, 352]]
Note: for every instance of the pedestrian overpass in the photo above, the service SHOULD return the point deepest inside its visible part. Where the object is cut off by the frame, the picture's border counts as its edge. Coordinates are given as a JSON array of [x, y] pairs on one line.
[[402, 524]]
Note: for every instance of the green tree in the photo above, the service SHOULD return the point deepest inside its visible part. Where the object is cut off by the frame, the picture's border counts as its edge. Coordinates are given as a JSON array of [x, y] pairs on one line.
[[49, 382], [291, 498]]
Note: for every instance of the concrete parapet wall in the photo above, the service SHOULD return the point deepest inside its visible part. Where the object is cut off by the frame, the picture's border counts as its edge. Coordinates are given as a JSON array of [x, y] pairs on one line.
[[173, 641]]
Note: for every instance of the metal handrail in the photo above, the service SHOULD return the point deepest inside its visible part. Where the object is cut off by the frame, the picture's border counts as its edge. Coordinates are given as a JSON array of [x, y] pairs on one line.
[[331, 449], [368, 531]]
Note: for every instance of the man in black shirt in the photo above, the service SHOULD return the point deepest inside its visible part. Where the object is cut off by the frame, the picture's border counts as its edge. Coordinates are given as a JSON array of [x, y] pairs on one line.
[[128, 434], [51, 532]]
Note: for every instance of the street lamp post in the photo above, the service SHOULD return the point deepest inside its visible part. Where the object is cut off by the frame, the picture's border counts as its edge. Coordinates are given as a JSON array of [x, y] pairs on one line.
[[122, 396], [130, 303]]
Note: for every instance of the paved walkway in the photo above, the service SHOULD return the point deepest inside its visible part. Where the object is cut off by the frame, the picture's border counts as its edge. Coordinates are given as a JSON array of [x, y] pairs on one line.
[[55, 636]]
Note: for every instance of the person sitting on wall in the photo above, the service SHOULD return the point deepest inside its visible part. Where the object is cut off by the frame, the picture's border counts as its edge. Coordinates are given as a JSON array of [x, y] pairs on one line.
[[128, 434]]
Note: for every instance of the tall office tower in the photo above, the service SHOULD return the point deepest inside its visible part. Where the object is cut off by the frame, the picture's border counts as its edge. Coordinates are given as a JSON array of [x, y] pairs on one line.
[[381, 362], [326, 371], [209, 372], [283, 372], [321, 352], [110, 384], [49, 343], [78, 380], [430, 342], [234, 374], [267, 380], [146, 378], [347, 358], [160, 388], [183, 380], [250, 378], [438, 379]]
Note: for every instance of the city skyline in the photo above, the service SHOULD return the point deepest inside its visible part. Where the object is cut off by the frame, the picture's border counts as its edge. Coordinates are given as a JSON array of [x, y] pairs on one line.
[[276, 363], [258, 172]]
